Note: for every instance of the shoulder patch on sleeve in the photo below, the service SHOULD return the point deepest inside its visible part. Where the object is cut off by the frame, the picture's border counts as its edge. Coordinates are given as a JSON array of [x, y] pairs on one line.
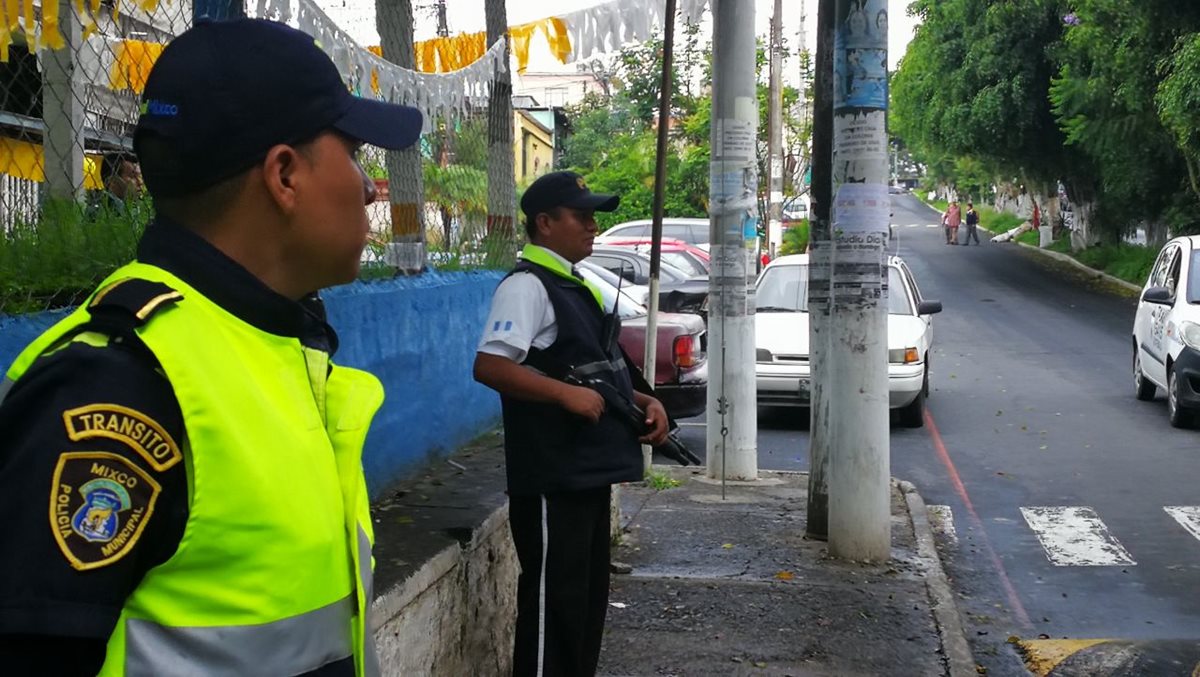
[[129, 426], [99, 506]]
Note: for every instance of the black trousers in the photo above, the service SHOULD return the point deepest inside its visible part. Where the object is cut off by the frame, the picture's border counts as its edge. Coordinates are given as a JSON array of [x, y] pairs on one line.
[[562, 542]]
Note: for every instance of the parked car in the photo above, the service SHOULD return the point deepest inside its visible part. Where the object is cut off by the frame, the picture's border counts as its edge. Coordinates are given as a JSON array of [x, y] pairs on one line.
[[681, 362], [795, 208], [688, 258], [677, 291], [1166, 331], [781, 337], [691, 231]]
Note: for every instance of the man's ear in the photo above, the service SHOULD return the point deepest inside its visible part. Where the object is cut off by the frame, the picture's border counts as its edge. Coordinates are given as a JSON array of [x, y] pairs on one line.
[[542, 223], [280, 169]]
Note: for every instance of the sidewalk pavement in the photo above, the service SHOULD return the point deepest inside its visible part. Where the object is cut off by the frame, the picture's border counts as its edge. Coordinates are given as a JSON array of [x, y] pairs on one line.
[[730, 586]]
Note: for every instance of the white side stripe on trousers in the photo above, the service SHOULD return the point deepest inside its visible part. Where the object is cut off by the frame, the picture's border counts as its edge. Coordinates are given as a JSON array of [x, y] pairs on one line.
[[542, 591]]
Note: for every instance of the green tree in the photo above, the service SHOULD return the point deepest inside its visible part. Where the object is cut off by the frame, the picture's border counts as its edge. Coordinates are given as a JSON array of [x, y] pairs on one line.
[[1111, 62]]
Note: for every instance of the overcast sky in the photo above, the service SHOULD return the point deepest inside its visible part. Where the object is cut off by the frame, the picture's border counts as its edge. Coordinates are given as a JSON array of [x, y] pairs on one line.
[[466, 16]]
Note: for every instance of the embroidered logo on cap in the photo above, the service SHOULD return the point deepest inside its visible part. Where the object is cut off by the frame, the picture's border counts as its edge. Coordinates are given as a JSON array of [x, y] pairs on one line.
[[159, 108]]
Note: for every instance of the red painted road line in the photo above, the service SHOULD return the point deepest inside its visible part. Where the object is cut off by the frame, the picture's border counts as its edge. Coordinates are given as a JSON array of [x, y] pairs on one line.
[[1010, 592]]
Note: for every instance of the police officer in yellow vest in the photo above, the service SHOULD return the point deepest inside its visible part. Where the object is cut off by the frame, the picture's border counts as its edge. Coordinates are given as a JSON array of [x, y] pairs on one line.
[[180, 462]]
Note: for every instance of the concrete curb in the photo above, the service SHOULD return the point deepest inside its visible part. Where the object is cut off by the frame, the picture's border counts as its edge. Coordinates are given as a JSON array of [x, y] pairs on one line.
[[959, 660], [1075, 262]]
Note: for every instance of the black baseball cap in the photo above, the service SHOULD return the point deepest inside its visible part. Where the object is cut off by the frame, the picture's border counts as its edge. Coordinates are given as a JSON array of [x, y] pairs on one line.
[[564, 189], [223, 93]]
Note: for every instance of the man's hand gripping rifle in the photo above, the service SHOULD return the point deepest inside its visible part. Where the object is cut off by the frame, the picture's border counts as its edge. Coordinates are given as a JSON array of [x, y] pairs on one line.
[[632, 415]]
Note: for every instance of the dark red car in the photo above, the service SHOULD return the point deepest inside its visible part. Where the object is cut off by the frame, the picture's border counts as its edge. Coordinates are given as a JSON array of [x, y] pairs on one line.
[[681, 362]]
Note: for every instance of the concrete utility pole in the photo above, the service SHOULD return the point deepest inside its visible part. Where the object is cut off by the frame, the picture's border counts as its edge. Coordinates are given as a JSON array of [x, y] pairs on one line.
[[502, 187], [820, 239], [660, 179], [775, 134], [859, 469], [62, 111], [733, 191], [406, 187]]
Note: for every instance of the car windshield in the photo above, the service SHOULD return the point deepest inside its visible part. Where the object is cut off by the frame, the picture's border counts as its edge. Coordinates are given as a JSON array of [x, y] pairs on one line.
[[606, 282], [784, 289]]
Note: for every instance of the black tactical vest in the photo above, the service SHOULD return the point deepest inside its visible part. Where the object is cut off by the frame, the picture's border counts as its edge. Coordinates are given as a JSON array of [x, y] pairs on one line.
[[548, 449]]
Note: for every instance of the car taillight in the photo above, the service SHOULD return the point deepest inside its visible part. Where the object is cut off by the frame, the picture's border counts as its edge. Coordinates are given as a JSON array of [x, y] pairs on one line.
[[684, 354]]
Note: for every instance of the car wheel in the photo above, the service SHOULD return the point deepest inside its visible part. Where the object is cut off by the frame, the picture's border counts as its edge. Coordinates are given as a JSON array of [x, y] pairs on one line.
[[913, 414], [1179, 417], [1143, 389]]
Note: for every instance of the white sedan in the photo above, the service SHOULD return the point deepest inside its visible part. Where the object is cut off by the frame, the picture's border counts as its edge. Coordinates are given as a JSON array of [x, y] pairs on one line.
[[1166, 331], [781, 336]]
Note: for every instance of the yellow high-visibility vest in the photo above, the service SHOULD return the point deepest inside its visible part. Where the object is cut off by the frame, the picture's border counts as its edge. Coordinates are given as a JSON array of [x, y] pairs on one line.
[[273, 573]]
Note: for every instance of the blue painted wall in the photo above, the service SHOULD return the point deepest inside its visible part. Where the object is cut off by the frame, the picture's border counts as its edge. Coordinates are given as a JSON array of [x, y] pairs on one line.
[[417, 334]]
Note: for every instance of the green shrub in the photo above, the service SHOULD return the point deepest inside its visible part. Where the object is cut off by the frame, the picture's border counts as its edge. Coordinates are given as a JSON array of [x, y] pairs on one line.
[[57, 260], [795, 238]]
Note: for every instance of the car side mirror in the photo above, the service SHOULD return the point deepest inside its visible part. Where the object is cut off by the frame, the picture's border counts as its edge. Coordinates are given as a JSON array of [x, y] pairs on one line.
[[1159, 295], [929, 307]]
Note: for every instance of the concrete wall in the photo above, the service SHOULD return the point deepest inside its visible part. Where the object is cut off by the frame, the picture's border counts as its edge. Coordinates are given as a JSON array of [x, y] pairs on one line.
[[417, 334], [456, 614]]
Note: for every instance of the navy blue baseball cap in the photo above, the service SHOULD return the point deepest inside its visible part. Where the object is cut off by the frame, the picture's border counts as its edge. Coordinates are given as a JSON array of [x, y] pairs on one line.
[[224, 93], [564, 189]]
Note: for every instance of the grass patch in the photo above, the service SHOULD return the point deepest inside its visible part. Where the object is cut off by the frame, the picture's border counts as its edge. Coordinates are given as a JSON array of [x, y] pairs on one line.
[[1029, 237], [1127, 262], [997, 222], [659, 481]]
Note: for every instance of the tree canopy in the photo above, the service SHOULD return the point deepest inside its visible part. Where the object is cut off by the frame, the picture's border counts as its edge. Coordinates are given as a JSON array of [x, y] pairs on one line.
[[613, 137], [1098, 94]]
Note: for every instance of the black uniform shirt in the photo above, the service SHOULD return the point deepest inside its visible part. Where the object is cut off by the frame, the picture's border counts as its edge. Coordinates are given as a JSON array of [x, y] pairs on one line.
[[86, 511]]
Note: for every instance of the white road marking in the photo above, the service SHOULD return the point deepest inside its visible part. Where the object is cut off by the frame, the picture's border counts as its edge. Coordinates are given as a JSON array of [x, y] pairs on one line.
[[1188, 517], [1075, 536], [941, 519]]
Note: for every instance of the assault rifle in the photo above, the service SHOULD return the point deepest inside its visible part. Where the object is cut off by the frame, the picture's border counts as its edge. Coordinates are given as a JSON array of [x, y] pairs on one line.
[[625, 409]]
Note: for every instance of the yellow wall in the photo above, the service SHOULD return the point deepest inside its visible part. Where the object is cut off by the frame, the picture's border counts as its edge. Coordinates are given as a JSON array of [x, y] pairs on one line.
[[533, 149]]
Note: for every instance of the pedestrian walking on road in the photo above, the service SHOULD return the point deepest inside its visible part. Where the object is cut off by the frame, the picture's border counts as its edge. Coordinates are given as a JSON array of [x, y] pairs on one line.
[[972, 225], [199, 452], [951, 220], [563, 449]]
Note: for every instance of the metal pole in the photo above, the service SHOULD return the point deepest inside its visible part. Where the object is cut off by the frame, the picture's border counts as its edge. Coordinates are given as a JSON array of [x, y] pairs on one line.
[[660, 179], [63, 112], [859, 472], [406, 188], [820, 238], [733, 204], [775, 134], [218, 10]]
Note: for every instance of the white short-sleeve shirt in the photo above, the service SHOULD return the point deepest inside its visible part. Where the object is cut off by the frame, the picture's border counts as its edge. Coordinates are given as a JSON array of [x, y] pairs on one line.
[[521, 317]]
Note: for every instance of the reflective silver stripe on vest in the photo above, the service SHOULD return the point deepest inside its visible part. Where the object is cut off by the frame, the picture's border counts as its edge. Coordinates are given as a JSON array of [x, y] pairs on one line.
[[291, 646], [366, 577], [5, 386]]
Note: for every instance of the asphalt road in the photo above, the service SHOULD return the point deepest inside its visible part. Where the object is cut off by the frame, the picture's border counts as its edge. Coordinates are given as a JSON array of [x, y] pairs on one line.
[[1034, 435]]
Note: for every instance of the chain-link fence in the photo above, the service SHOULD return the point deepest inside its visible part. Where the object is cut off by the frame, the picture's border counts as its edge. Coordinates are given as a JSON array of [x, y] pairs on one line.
[[71, 200]]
